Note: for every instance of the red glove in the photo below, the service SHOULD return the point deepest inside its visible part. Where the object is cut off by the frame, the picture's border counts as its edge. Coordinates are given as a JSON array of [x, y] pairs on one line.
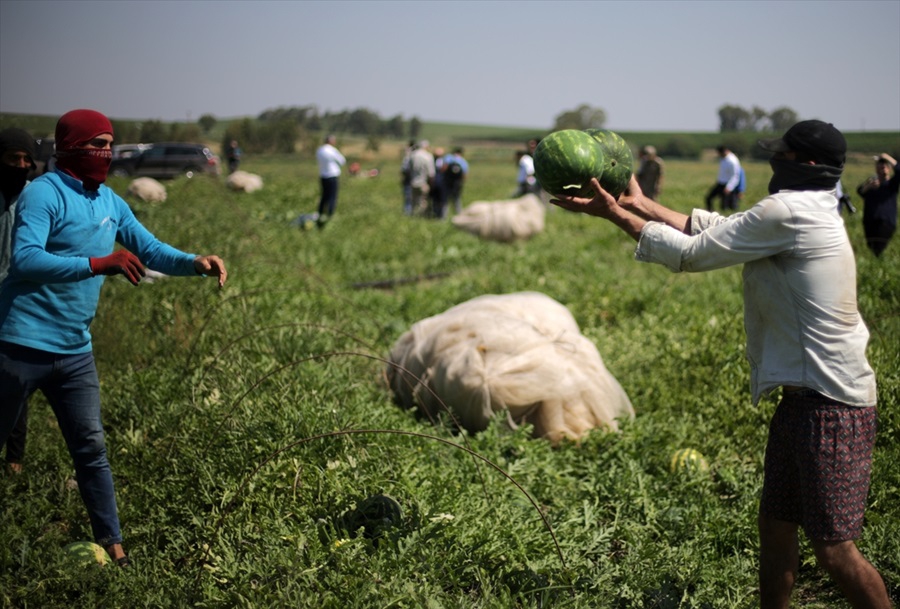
[[121, 262]]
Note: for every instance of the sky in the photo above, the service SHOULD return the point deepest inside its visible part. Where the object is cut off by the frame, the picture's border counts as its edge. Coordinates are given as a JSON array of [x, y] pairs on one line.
[[650, 65]]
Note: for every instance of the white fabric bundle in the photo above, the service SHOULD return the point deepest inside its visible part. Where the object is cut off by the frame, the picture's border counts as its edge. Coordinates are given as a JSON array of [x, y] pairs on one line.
[[242, 180], [522, 353], [147, 189], [503, 221]]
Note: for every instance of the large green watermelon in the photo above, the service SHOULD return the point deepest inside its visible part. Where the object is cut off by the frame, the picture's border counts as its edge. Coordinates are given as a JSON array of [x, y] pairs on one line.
[[618, 158], [86, 553], [566, 160]]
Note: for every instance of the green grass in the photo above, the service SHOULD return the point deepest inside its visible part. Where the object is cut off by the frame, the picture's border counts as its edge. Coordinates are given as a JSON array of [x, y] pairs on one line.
[[244, 425]]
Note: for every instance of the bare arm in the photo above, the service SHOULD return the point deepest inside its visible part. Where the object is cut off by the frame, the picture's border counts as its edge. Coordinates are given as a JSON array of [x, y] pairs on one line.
[[630, 213]]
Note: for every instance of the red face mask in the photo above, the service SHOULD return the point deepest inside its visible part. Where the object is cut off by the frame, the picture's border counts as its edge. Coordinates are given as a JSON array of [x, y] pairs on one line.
[[73, 131]]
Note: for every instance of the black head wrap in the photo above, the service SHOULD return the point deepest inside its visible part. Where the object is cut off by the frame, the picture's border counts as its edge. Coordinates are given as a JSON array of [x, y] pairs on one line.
[[13, 179]]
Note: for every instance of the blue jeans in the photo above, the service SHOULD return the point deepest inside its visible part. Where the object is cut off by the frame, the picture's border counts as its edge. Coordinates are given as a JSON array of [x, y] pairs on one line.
[[71, 386]]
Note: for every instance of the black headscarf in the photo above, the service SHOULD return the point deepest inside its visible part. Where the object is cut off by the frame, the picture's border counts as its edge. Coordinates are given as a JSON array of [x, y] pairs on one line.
[[13, 179], [791, 175]]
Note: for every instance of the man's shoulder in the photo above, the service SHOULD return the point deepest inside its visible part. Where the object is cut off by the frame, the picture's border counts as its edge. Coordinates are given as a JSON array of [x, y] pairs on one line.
[[41, 186], [785, 204]]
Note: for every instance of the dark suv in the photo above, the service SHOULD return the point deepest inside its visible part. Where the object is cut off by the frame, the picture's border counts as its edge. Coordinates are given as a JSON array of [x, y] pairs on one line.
[[168, 160]]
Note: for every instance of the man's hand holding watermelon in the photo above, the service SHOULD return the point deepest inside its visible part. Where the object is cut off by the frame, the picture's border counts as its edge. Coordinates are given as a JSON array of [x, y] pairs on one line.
[[630, 212]]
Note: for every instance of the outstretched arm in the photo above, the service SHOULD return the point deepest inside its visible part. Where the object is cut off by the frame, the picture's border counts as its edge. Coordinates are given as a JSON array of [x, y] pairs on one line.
[[630, 213]]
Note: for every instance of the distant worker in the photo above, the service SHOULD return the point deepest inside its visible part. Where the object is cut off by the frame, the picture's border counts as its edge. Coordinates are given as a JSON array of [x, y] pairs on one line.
[[233, 156], [741, 188], [726, 182], [455, 169], [438, 192], [330, 162], [879, 195], [421, 177], [651, 172], [405, 178], [525, 180]]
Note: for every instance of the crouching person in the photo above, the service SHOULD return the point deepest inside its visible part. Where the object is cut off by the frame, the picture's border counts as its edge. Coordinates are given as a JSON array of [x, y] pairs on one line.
[[66, 226]]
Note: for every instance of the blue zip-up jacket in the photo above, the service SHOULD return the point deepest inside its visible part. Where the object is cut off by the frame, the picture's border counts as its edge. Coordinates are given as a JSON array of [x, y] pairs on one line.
[[49, 298]]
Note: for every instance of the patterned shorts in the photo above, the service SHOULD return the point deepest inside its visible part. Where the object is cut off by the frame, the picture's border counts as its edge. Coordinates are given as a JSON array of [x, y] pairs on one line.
[[818, 465]]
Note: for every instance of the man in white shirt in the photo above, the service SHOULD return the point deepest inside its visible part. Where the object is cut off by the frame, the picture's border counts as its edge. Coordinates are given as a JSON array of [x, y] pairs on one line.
[[727, 181], [804, 335], [525, 179], [330, 163]]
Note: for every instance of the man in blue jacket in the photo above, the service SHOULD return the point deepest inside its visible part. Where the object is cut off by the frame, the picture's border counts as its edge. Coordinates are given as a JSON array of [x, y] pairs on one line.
[[67, 224]]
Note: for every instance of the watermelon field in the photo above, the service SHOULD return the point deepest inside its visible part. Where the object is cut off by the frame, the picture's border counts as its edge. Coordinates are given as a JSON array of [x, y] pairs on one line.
[[250, 428]]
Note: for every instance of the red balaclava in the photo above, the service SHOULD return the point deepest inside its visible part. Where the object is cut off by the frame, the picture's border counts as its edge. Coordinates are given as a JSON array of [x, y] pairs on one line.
[[73, 131]]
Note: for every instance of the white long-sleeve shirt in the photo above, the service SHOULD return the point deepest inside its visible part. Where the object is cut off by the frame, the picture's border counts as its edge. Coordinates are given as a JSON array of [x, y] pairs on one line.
[[800, 311], [526, 170], [330, 161], [729, 172]]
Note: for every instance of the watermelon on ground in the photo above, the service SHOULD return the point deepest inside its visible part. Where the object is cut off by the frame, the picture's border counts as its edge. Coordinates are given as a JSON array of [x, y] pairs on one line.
[[86, 553], [376, 515], [566, 160], [619, 160], [688, 460]]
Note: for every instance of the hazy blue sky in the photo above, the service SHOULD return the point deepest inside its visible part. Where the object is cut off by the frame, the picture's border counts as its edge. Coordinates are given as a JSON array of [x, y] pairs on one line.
[[650, 65]]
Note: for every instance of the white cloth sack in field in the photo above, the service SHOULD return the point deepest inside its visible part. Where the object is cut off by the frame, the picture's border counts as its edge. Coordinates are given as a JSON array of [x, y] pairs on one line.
[[504, 221], [147, 189], [242, 180], [522, 353]]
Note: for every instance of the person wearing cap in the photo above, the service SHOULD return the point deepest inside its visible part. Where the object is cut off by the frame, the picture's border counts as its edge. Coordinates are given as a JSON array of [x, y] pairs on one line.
[[805, 338], [66, 227], [879, 195], [16, 162], [727, 181], [651, 172]]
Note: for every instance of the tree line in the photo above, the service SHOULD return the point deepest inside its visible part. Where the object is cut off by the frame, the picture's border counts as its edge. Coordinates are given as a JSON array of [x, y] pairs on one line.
[[299, 128]]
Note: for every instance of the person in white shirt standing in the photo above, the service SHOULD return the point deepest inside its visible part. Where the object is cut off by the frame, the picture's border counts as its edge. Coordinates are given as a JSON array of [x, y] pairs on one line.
[[330, 162], [726, 182], [527, 183], [805, 336]]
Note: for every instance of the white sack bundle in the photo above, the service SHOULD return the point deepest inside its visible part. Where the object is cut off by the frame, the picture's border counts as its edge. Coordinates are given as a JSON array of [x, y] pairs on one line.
[[147, 189], [522, 353], [242, 180], [504, 221]]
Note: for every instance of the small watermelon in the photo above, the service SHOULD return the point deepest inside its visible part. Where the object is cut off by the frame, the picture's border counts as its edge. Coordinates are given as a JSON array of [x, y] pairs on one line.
[[86, 553], [619, 161], [376, 515], [688, 460], [566, 160]]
